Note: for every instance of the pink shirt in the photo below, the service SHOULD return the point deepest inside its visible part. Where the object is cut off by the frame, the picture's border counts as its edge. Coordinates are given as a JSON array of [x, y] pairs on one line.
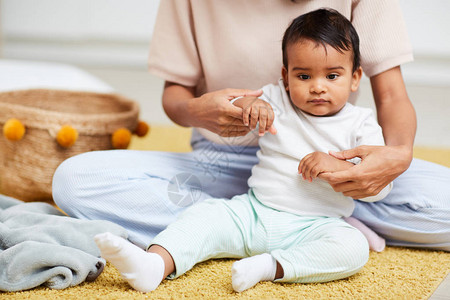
[[237, 44]]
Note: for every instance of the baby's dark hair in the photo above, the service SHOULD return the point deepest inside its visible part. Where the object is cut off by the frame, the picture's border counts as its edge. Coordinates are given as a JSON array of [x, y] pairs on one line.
[[325, 27]]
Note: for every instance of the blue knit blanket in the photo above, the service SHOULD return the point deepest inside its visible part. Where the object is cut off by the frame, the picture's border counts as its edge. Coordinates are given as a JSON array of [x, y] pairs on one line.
[[39, 245]]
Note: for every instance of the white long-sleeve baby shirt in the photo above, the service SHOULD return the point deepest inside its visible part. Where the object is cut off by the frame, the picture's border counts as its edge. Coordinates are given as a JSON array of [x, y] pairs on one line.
[[275, 180]]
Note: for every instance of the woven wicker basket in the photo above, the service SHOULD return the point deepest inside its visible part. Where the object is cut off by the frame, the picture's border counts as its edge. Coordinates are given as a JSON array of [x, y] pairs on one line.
[[27, 165]]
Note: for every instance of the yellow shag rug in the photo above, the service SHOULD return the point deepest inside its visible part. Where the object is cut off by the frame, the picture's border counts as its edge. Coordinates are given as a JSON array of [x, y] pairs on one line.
[[396, 273]]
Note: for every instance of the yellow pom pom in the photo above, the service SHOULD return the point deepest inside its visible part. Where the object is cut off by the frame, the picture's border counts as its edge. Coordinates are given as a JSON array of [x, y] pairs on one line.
[[67, 136], [121, 138], [13, 130], [142, 129]]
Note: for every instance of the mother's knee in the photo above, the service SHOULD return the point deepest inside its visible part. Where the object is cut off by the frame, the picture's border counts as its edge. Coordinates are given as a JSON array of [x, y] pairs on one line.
[[67, 181]]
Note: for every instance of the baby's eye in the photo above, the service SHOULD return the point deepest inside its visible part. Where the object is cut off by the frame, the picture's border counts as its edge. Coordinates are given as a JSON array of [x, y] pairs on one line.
[[332, 76], [303, 76]]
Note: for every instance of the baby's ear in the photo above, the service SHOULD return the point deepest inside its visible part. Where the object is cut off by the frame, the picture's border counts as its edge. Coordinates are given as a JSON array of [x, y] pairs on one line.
[[356, 78], [284, 74]]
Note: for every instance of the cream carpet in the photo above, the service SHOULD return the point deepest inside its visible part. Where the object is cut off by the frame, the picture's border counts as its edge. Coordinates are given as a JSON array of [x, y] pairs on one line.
[[396, 273]]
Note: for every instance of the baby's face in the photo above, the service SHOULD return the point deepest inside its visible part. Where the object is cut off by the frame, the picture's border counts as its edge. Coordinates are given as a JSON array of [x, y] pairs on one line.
[[319, 80]]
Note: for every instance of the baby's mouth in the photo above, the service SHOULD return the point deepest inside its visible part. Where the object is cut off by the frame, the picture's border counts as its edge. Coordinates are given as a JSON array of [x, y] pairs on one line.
[[318, 101]]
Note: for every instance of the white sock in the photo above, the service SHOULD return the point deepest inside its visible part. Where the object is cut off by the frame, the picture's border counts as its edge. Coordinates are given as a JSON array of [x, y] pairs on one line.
[[144, 271], [376, 242], [247, 272]]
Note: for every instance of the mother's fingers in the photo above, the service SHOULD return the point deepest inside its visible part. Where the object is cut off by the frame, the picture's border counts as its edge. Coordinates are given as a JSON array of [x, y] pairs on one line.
[[234, 93], [233, 130], [345, 187], [338, 177], [233, 111], [360, 151], [225, 121], [355, 194], [255, 93], [352, 189]]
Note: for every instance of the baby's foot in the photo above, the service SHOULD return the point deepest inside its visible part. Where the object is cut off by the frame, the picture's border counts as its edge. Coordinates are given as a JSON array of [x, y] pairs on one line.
[[142, 270], [247, 272]]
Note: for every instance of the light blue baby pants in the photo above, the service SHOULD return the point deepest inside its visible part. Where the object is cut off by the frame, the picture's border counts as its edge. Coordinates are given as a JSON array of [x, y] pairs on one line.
[[310, 249]]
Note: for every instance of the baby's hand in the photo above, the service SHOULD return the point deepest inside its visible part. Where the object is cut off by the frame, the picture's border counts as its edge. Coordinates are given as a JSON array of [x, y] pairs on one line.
[[313, 164], [254, 111]]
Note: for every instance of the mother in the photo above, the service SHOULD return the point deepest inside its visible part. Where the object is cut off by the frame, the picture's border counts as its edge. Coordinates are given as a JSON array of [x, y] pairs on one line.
[[204, 50]]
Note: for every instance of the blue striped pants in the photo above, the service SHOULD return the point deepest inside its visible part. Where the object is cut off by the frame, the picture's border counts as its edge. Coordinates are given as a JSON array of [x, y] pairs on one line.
[[310, 249]]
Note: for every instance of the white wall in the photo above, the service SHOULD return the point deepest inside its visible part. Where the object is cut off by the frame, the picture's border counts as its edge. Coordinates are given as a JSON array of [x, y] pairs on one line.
[[117, 33], [86, 32], [79, 20], [428, 24]]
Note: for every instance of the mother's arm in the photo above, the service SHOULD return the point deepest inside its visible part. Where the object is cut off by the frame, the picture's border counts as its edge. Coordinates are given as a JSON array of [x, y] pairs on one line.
[[212, 111], [381, 165]]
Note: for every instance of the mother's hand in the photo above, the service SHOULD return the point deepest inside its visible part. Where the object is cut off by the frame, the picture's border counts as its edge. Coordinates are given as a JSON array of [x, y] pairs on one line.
[[213, 111], [379, 166]]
